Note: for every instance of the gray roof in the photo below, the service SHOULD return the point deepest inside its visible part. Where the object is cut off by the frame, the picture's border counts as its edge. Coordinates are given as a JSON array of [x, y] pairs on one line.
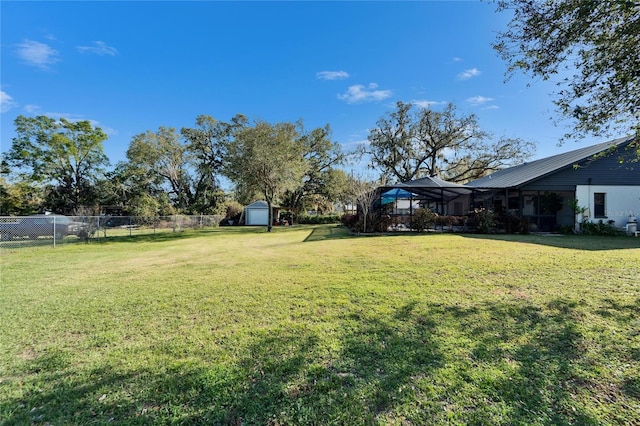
[[431, 188], [258, 205], [528, 172]]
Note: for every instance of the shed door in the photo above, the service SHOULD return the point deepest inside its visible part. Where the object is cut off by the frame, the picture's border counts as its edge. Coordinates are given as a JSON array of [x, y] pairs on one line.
[[257, 216]]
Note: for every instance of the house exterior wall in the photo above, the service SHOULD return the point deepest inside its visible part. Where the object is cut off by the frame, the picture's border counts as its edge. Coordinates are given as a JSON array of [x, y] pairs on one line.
[[607, 170], [620, 202]]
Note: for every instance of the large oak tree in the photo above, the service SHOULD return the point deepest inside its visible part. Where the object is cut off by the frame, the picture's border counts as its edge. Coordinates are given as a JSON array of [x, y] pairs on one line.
[[410, 143], [322, 156]]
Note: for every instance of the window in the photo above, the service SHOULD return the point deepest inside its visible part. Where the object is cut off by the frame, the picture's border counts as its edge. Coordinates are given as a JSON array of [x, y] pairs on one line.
[[598, 204]]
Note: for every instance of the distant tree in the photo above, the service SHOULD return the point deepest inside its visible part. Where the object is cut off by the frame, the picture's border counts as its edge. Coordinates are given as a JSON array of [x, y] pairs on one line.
[[266, 158], [336, 186], [590, 48], [407, 144], [65, 156], [207, 144], [161, 158], [322, 156], [20, 198]]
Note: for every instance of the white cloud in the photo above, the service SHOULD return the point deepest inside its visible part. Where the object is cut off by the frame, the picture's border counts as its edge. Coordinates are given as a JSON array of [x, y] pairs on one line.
[[6, 101], [358, 93], [467, 74], [491, 107], [100, 48], [332, 75], [456, 59], [31, 108], [422, 103], [37, 54], [67, 116], [78, 117], [478, 100]]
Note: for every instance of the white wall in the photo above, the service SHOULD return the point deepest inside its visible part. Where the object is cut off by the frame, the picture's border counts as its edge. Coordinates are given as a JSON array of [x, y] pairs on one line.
[[620, 202], [257, 217]]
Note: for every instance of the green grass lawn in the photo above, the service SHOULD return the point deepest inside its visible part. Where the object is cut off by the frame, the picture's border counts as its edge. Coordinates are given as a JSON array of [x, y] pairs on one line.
[[309, 325]]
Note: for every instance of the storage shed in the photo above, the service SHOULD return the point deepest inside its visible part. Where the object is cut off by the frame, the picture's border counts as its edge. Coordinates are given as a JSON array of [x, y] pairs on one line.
[[257, 213]]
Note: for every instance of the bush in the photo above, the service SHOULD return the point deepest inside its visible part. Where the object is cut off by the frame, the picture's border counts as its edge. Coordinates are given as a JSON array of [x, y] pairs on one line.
[[600, 228], [233, 210], [383, 223], [423, 219], [481, 221], [349, 220]]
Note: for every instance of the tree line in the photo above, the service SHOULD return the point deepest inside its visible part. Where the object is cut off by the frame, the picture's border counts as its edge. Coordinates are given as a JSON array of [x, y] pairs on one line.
[[60, 165]]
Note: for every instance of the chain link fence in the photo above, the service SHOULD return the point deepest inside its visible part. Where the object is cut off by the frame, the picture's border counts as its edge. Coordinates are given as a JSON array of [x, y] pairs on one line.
[[52, 230]]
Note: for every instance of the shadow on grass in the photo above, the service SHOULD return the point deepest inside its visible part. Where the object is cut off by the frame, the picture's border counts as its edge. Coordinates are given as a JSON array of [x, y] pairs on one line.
[[577, 242], [148, 236], [502, 363], [324, 233]]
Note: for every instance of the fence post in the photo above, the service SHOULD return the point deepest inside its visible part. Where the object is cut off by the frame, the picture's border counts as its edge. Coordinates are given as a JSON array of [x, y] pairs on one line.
[[54, 232]]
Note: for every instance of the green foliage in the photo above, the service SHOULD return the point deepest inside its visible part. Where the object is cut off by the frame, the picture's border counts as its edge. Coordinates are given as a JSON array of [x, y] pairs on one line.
[[266, 158], [349, 220], [148, 206], [592, 45], [600, 228], [233, 210], [161, 159], [321, 183], [66, 156], [482, 221], [20, 198], [423, 219], [407, 144]]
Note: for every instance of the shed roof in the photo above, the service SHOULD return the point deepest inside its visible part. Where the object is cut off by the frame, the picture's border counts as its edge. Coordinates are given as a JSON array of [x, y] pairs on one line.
[[528, 172], [258, 205]]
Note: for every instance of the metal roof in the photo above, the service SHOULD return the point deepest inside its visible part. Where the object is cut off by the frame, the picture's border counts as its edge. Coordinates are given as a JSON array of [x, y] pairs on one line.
[[258, 205], [432, 188], [528, 172]]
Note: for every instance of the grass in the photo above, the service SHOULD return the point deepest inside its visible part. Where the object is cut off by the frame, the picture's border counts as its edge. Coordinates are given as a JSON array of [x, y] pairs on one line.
[[309, 325]]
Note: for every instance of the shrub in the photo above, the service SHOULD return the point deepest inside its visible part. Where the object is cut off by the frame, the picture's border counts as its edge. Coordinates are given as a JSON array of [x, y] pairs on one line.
[[423, 219], [349, 220], [600, 228], [481, 221], [442, 221], [384, 223], [234, 210]]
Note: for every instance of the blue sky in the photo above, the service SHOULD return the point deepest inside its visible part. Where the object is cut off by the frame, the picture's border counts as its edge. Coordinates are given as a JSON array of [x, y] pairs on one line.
[[130, 67]]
